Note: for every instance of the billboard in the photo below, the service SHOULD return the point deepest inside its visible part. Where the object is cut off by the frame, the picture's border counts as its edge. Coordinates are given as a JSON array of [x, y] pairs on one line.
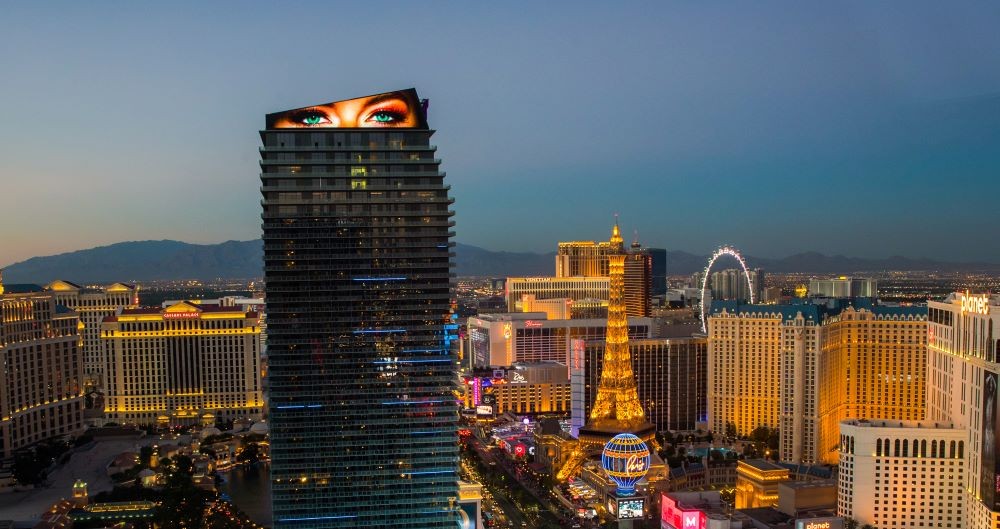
[[820, 523], [401, 109], [988, 472], [673, 516], [630, 508]]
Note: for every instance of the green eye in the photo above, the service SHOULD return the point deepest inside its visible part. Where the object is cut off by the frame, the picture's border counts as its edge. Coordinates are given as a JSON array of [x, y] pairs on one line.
[[383, 117], [312, 120]]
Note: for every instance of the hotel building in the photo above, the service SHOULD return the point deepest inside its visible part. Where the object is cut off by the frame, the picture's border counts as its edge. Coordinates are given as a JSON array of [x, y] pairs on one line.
[[41, 369], [805, 366], [903, 474], [505, 339], [522, 388], [583, 259], [184, 364], [638, 281], [573, 288], [843, 287], [963, 343], [671, 375], [357, 265], [93, 305], [589, 259]]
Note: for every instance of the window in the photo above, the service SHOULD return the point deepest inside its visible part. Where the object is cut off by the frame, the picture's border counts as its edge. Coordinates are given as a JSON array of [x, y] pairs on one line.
[[359, 171], [359, 184]]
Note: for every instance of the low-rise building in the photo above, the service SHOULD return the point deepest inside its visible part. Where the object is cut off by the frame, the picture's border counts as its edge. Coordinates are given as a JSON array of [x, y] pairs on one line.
[[757, 483], [902, 473]]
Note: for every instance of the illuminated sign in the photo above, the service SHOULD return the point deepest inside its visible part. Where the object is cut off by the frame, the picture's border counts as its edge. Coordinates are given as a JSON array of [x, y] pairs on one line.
[[820, 523], [691, 520], [635, 464], [400, 109], [484, 410], [517, 378], [974, 304], [181, 315], [532, 324], [631, 508], [673, 516], [506, 331], [576, 361], [520, 450]]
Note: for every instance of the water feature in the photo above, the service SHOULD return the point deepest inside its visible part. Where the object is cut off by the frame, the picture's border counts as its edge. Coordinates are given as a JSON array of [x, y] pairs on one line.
[[249, 488]]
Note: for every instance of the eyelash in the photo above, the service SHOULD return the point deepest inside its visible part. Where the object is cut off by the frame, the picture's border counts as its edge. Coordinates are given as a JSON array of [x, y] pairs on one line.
[[300, 117], [396, 114]]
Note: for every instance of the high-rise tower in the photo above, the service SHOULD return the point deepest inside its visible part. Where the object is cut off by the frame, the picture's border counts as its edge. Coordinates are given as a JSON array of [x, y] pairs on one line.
[[357, 265], [617, 408]]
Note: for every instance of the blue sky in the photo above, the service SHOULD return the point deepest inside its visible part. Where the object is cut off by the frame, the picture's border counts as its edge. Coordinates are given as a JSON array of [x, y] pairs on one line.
[[862, 128]]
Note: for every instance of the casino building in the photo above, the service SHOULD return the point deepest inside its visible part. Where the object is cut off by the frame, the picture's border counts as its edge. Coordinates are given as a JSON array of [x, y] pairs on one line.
[[41, 370], [670, 373], [519, 389], [963, 343], [93, 305], [576, 288], [902, 473], [504, 339], [357, 265], [184, 364], [803, 367]]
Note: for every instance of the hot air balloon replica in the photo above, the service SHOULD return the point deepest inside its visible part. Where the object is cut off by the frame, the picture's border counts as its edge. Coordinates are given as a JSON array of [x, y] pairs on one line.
[[626, 460]]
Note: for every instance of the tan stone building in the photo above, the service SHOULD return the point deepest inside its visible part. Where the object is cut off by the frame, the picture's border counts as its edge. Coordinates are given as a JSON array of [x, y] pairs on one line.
[[93, 305], [182, 364], [41, 395]]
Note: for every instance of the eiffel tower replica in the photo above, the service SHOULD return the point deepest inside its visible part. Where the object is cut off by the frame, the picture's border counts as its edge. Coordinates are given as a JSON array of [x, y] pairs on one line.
[[616, 409]]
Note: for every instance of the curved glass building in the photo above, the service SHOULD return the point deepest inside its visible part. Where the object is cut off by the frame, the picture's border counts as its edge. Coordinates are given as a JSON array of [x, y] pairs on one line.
[[357, 255]]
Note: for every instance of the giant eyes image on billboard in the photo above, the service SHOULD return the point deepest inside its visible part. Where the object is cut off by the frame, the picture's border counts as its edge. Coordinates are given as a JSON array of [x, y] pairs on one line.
[[988, 472], [400, 109]]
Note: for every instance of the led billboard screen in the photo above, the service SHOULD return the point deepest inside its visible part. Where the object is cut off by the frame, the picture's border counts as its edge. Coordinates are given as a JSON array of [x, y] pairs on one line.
[[400, 109], [988, 472], [630, 508]]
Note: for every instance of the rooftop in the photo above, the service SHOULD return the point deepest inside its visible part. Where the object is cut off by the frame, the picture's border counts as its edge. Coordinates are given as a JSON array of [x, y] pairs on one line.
[[763, 465], [880, 423], [22, 288], [817, 309]]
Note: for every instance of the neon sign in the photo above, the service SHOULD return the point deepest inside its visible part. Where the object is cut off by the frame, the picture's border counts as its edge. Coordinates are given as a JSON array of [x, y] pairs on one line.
[[635, 464], [532, 324], [181, 315], [974, 304], [506, 331], [516, 377], [691, 520]]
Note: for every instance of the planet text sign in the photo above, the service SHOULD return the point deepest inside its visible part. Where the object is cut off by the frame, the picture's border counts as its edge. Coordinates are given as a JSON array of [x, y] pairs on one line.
[[975, 304]]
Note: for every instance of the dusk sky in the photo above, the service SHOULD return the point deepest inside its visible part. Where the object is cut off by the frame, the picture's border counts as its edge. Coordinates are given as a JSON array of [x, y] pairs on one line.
[[867, 129]]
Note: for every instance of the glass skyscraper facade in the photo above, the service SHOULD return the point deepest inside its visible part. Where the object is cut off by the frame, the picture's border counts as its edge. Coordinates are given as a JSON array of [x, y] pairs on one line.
[[357, 255]]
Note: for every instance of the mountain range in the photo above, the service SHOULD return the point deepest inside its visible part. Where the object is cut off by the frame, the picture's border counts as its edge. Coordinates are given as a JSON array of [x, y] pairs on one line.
[[166, 260]]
